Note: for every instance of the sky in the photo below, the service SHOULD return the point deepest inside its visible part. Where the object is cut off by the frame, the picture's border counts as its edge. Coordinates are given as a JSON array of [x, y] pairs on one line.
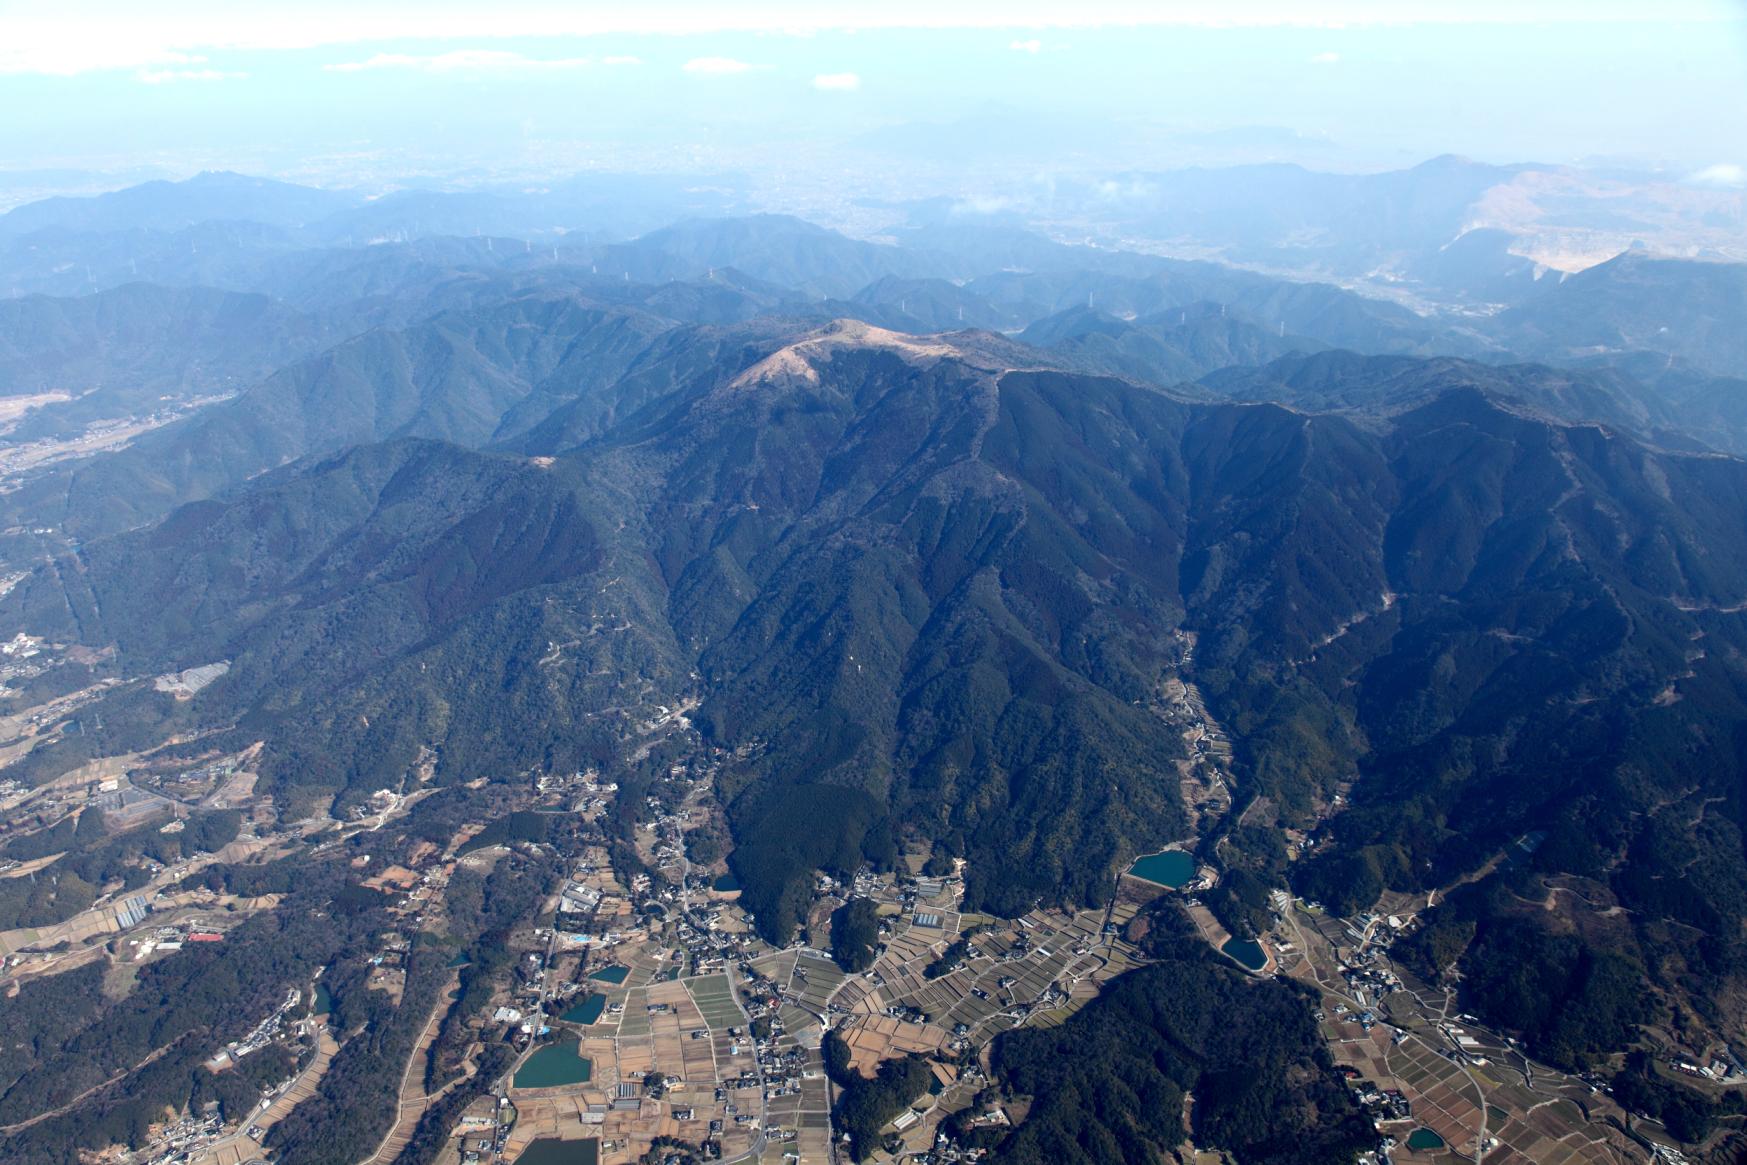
[[372, 91]]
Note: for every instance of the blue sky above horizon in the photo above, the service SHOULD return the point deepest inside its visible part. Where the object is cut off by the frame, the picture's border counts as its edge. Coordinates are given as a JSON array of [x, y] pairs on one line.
[[445, 88]]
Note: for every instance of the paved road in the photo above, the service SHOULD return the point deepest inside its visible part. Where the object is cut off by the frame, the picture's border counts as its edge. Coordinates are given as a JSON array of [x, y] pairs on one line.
[[759, 1141]]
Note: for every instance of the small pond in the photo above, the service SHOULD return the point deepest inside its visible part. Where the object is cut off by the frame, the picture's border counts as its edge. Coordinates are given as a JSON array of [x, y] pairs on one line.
[[554, 1065], [552, 1151], [1424, 1140], [1171, 868], [586, 1010], [1247, 951]]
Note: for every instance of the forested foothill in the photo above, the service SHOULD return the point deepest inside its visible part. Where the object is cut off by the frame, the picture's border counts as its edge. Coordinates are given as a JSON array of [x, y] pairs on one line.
[[1110, 1084], [92, 857]]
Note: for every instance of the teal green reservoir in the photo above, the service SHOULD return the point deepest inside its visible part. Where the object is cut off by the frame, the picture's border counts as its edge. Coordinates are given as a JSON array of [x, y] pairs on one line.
[[551, 1151], [1247, 951], [552, 1066], [1424, 1139], [1172, 868], [587, 1010], [613, 975]]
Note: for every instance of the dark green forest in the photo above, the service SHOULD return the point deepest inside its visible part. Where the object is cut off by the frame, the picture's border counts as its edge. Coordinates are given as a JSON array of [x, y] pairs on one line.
[[93, 858], [866, 1104], [1108, 1086], [855, 934]]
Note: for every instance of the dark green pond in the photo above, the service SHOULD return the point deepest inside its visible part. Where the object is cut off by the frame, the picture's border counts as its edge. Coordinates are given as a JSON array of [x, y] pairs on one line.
[[614, 975], [550, 1151], [324, 1001], [587, 1010], [1247, 951], [726, 884], [460, 959], [1172, 868], [554, 1065], [1424, 1139]]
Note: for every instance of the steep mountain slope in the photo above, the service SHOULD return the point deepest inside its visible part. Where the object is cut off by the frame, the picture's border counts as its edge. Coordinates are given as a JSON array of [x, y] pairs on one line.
[[776, 248], [926, 305], [927, 588], [1637, 302], [881, 707], [1559, 662], [1678, 410], [118, 338], [1478, 265], [109, 351], [457, 377], [1711, 408], [683, 361], [397, 597], [1168, 348], [1330, 315], [901, 619]]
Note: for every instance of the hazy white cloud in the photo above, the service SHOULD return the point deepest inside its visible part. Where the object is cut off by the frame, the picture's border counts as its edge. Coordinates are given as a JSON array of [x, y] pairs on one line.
[[168, 76], [1114, 190], [1727, 175], [717, 66], [1027, 46], [77, 36], [185, 67], [460, 61], [984, 205], [837, 81], [1326, 59], [379, 61]]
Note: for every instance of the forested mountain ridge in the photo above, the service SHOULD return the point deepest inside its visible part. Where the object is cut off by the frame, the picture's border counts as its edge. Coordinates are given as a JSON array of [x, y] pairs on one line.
[[1638, 302], [116, 338], [1170, 347], [510, 358], [457, 377], [82, 361], [390, 598], [929, 586], [1675, 410]]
